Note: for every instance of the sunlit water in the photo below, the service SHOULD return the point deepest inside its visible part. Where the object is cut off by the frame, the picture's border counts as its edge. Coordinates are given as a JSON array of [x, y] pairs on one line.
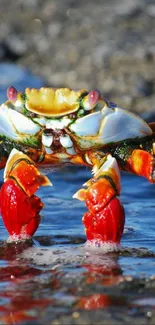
[[56, 275], [56, 271]]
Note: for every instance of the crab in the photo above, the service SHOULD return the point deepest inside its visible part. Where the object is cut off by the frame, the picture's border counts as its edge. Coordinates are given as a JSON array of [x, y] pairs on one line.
[[41, 128]]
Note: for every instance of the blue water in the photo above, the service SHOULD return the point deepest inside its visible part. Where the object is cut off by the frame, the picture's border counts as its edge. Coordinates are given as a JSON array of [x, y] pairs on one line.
[[19, 77], [55, 276]]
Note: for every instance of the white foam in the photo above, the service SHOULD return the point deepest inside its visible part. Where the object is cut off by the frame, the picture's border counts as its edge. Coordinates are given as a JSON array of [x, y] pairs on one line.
[[94, 252], [40, 256], [97, 246], [18, 238], [83, 254]]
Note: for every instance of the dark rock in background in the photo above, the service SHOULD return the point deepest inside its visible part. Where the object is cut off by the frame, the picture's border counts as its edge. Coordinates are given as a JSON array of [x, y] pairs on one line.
[[102, 44]]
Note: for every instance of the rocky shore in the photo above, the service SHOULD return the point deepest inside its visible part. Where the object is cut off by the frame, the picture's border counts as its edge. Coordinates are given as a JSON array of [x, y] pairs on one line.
[[102, 44]]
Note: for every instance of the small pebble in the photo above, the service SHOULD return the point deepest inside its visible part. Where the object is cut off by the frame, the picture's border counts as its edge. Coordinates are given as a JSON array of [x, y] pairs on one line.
[[149, 314], [75, 315]]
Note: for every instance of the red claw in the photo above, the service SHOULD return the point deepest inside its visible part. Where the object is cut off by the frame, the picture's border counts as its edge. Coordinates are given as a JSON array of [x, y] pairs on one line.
[[12, 93], [20, 213], [19, 206], [106, 225]]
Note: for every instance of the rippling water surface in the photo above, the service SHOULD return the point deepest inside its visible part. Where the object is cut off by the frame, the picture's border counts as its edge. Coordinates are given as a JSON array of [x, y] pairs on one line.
[[55, 279]]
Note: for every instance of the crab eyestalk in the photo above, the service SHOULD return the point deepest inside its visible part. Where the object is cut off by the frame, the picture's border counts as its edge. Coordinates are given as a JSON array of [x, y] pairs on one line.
[[91, 100], [12, 93], [93, 97], [19, 206]]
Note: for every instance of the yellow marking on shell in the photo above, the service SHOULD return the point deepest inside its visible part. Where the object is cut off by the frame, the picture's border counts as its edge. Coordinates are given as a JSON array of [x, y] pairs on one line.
[[52, 102]]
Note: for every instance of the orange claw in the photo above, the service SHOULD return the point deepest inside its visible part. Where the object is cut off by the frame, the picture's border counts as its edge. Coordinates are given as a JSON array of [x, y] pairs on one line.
[[19, 206], [142, 163], [97, 195], [23, 170]]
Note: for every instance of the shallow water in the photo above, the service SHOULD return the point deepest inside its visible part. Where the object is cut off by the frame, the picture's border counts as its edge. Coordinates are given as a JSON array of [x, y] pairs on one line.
[[56, 276], [57, 279]]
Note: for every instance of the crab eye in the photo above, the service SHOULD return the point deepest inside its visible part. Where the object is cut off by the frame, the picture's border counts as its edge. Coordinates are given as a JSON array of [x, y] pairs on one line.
[[12, 93], [90, 101], [93, 97]]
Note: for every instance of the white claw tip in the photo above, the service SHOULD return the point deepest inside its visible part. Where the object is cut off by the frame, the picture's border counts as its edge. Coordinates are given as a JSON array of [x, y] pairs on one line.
[[75, 196]]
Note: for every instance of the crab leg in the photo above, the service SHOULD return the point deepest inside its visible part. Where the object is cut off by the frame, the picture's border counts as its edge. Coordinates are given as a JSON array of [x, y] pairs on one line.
[[141, 163], [19, 206], [105, 218]]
